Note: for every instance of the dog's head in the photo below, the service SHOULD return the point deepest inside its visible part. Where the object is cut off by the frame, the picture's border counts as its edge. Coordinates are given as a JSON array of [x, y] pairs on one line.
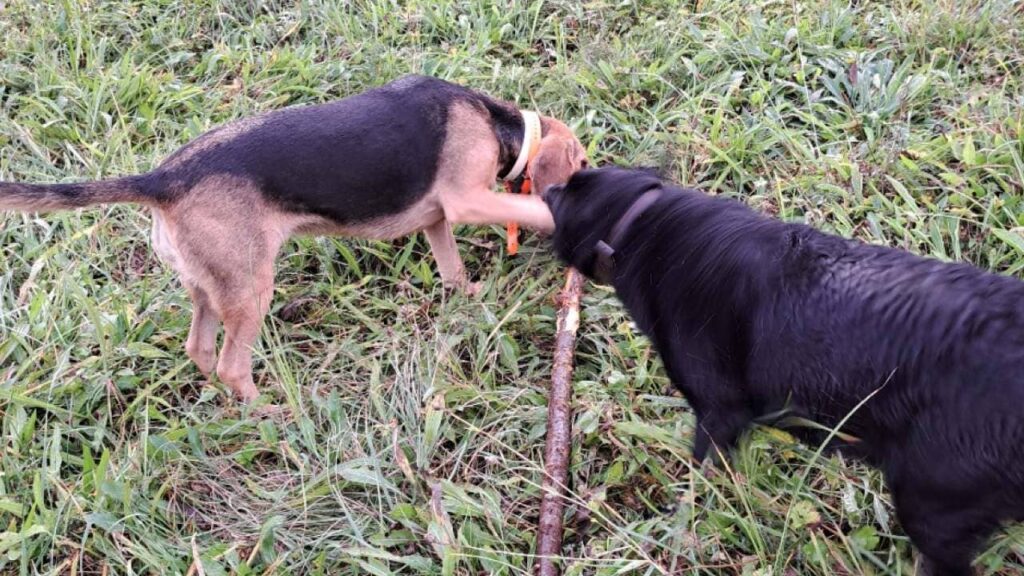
[[588, 206], [560, 154]]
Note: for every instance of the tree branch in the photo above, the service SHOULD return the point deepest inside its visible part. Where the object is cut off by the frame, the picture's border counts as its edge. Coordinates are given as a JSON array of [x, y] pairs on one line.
[[559, 432]]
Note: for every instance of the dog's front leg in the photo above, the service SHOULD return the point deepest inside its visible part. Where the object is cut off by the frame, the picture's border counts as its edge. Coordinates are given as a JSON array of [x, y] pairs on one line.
[[484, 206], [716, 398], [446, 254], [719, 428]]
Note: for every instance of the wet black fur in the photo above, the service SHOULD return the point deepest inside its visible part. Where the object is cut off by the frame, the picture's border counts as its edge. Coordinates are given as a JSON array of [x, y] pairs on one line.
[[750, 315]]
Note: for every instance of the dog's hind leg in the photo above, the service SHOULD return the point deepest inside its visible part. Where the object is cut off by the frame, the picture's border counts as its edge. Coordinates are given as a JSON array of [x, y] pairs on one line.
[[201, 345], [242, 272], [242, 309], [227, 238]]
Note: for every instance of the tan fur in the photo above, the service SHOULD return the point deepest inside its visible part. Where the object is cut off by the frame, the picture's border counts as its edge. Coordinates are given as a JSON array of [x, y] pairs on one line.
[[421, 214], [222, 238], [446, 253]]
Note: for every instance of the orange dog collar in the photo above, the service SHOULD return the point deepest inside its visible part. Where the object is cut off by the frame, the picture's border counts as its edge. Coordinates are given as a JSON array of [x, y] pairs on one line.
[[517, 180]]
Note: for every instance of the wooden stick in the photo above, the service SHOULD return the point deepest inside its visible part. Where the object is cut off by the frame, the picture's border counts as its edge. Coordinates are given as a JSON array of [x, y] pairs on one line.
[[559, 432]]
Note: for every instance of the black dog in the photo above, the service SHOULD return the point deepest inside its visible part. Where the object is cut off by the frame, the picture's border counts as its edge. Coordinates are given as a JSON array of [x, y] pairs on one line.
[[924, 359]]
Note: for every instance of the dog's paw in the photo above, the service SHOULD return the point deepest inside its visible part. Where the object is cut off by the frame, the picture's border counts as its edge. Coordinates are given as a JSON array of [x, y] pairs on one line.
[[263, 408], [465, 287], [473, 289], [271, 412]]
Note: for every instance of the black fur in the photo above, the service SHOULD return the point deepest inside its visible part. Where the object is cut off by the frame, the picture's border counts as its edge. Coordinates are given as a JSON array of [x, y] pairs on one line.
[[750, 315], [351, 160]]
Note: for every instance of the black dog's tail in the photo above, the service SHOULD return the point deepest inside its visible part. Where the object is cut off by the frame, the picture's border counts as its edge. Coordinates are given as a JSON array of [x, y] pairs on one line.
[[46, 197]]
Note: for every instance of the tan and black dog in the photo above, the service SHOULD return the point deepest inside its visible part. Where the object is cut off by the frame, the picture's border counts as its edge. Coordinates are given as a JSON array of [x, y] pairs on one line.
[[416, 154]]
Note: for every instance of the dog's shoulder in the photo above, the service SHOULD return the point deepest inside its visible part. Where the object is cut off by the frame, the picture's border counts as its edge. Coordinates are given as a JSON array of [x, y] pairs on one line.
[[424, 90], [415, 82], [437, 90]]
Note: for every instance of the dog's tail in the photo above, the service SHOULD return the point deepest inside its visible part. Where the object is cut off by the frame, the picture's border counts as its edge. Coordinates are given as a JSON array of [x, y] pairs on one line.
[[46, 197]]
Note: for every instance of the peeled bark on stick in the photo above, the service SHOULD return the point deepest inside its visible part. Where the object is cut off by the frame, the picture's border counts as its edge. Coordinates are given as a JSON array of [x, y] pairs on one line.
[[559, 432]]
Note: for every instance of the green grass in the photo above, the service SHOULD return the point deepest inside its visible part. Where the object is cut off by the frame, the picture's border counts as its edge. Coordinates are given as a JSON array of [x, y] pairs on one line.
[[896, 122]]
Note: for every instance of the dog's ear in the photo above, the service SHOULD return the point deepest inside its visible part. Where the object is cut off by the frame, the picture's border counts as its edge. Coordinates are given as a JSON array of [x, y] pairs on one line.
[[559, 156], [556, 160]]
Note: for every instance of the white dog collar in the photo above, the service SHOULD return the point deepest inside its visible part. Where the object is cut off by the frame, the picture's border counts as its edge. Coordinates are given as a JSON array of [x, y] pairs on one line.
[[531, 142]]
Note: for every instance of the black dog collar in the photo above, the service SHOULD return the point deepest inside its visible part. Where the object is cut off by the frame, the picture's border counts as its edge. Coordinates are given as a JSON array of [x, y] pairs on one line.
[[604, 263]]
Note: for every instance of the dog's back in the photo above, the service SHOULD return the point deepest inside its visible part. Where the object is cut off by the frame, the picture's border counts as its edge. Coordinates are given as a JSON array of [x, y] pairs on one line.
[[925, 338], [349, 160]]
